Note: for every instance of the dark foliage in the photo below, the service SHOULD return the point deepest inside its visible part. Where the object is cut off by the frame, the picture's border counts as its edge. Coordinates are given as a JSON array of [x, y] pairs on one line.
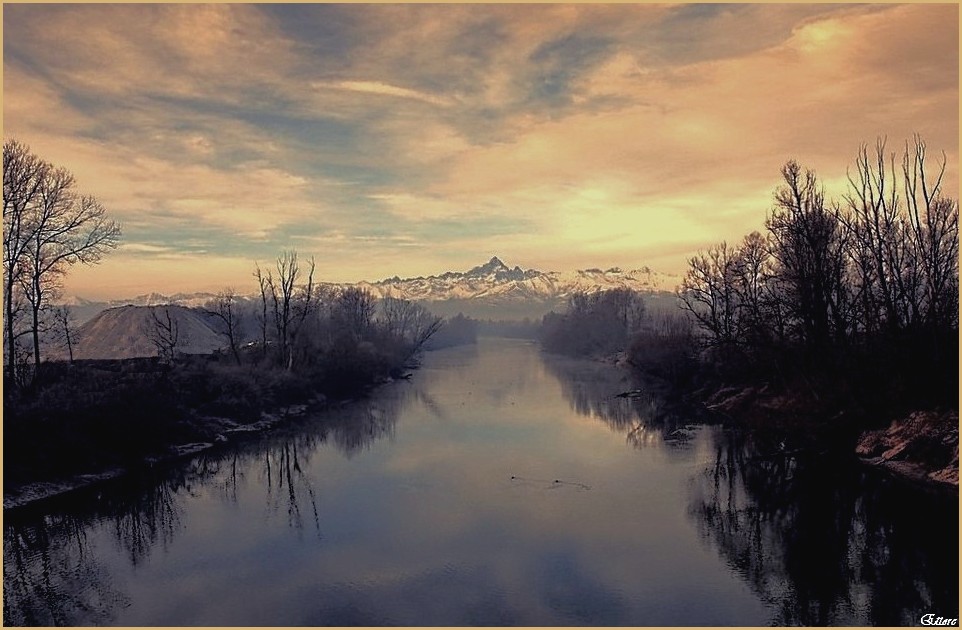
[[594, 324], [853, 304], [89, 419], [457, 331], [512, 329], [665, 348], [314, 344]]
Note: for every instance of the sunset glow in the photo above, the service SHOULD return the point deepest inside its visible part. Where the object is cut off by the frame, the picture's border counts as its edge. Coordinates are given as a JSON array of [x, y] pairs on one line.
[[413, 139]]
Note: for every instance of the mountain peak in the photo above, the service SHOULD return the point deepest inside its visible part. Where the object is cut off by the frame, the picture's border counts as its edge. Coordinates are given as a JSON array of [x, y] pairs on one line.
[[492, 266], [495, 264]]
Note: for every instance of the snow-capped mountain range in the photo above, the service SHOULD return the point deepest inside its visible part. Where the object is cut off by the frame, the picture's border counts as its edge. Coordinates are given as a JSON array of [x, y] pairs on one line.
[[493, 284], [494, 280]]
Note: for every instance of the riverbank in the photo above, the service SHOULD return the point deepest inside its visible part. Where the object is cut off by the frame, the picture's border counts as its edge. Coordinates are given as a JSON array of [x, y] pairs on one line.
[[400, 493], [97, 421], [921, 446], [924, 447], [212, 431]]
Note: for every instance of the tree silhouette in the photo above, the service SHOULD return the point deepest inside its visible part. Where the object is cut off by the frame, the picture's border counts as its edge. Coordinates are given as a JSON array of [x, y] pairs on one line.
[[48, 227]]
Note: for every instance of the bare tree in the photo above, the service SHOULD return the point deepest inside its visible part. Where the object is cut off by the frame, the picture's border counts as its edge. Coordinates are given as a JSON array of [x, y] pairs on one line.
[[290, 304], [879, 248], [397, 315], [624, 306], [752, 288], [23, 177], [423, 326], [223, 308], [354, 310], [709, 293], [49, 227], [66, 333], [304, 305], [164, 333], [934, 223], [262, 316], [903, 245], [808, 247]]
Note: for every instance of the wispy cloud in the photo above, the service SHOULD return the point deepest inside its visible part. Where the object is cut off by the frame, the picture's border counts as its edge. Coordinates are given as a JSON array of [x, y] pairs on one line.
[[145, 248], [410, 138], [383, 89]]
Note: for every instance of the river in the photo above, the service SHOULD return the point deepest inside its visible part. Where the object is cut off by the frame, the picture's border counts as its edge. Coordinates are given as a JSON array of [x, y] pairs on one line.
[[498, 486]]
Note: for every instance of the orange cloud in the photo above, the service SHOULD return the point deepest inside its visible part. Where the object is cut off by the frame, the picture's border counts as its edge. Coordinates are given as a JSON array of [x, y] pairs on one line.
[[607, 135]]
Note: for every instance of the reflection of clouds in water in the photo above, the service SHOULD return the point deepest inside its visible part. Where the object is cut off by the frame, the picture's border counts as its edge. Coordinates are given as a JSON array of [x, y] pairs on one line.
[[431, 529], [554, 587], [471, 592], [576, 596]]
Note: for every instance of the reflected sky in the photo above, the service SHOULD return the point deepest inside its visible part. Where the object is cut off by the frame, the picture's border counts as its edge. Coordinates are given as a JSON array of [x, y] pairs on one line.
[[481, 492]]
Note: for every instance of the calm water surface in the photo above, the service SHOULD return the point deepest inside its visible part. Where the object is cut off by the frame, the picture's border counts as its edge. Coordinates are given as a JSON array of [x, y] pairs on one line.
[[497, 487]]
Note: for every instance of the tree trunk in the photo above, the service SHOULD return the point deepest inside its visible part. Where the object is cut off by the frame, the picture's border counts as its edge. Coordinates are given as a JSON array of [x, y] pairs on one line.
[[11, 366], [36, 337]]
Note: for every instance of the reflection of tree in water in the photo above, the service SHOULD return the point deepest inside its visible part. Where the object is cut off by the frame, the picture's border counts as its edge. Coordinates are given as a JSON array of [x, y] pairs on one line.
[[282, 458], [355, 430], [592, 389], [286, 482], [51, 578], [50, 575], [150, 515], [825, 543]]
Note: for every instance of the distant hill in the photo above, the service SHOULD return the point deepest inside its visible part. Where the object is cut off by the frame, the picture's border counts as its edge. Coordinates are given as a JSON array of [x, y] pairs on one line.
[[81, 309], [120, 333]]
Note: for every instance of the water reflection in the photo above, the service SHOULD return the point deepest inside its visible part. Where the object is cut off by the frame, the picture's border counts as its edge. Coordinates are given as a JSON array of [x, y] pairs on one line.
[[286, 483], [150, 516], [505, 497], [823, 542], [360, 426], [51, 575], [644, 416]]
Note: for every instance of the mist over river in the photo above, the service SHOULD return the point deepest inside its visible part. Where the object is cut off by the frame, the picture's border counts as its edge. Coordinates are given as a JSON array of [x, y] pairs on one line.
[[498, 486]]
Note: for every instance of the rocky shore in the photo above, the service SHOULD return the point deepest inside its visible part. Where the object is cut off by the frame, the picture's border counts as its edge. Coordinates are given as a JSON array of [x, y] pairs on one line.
[[923, 446]]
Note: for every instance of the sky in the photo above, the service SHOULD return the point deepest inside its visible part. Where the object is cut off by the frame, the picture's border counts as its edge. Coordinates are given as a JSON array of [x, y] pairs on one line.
[[415, 139]]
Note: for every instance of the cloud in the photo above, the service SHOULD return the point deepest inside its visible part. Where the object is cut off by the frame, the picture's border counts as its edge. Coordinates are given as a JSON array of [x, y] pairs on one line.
[[211, 51], [383, 89], [143, 248], [398, 137], [156, 198], [128, 274], [698, 150]]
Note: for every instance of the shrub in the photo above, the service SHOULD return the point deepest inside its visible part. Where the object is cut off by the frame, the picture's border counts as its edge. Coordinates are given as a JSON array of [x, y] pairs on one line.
[[665, 348]]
